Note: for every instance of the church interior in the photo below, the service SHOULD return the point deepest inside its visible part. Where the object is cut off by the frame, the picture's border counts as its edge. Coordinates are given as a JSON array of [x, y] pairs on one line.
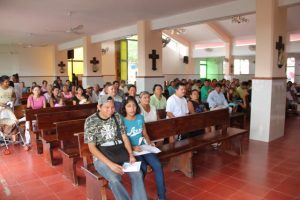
[[156, 42]]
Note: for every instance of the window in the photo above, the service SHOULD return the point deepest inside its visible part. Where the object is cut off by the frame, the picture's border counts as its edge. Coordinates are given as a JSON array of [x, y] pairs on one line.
[[241, 66], [290, 69], [77, 66], [203, 66]]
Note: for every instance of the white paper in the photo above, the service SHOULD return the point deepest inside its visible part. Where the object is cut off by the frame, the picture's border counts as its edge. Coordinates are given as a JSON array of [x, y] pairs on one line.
[[134, 167], [146, 149]]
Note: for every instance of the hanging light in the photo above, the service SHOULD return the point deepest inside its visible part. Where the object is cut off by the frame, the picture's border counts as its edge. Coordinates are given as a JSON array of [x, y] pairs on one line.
[[239, 19]]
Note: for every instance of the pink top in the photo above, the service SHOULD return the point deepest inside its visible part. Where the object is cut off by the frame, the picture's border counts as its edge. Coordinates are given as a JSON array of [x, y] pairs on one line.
[[36, 103], [67, 96]]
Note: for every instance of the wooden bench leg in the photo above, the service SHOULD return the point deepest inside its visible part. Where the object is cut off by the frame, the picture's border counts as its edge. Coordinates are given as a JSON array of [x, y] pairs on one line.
[[39, 146], [95, 189], [233, 146], [183, 163], [69, 168], [48, 152]]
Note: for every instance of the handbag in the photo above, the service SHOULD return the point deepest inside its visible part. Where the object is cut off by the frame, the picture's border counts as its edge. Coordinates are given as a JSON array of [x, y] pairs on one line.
[[116, 153]]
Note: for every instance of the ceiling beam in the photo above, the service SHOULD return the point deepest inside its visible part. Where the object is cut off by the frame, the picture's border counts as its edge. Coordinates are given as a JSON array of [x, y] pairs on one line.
[[220, 32], [288, 2], [115, 34], [70, 45], [217, 12]]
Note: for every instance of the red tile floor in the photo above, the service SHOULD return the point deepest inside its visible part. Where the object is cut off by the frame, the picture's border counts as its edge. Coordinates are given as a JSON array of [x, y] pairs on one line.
[[264, 171]]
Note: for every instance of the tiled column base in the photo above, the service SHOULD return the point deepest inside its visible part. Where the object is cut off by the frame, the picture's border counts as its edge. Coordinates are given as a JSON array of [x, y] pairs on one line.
[[267, 109]]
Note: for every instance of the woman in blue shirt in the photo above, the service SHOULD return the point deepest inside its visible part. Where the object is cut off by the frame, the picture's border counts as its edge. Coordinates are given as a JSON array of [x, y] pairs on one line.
[[136, 132]]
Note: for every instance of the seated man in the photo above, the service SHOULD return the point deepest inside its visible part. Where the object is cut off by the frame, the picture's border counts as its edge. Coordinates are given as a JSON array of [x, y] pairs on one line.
[[216, 98], [107, 140], [112, 92], [291, 97], [176, 104]]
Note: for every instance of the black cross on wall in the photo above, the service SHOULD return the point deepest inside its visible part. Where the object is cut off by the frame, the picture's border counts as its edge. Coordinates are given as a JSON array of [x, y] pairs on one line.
[[94, 62], [280, 48], [61, 65], [154, 56]]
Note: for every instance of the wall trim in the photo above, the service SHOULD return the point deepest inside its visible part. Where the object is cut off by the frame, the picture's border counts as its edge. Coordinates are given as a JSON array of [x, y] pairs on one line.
[[91, 76], [150, 76], [268, 78], [41, 76]]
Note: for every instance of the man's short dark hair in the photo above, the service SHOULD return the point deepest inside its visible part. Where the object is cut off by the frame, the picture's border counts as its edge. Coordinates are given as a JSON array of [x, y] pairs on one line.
[[178, 85], [115, 82], [218, 85], [3, 78]]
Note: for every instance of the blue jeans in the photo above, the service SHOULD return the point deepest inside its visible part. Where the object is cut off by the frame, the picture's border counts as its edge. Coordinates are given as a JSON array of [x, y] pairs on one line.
[[114, 181], [152, 160]]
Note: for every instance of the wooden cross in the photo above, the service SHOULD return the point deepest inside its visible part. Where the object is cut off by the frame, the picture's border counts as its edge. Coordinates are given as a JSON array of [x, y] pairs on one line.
[[94, 62], [154, 56], [61, 65], [280, 48]]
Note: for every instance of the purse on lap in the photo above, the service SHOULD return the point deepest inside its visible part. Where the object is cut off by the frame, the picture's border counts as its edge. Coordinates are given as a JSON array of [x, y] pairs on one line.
[[116, 153]]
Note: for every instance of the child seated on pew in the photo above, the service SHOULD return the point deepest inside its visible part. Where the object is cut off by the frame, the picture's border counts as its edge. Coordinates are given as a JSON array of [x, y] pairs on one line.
[[137, 134]]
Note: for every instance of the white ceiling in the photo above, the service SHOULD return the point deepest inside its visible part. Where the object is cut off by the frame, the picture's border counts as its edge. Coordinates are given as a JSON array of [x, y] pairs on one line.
[[18, 18], [200, 33]]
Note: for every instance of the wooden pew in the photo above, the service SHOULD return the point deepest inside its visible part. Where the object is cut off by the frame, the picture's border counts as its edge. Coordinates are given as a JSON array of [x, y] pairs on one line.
[[95, 183], [30, 116], [69, 146], [180, 152], [45, 123]]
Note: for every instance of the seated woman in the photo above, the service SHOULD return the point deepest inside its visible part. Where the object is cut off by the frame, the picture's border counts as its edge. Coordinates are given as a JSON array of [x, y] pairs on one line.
[[104, 132], [66, 94], [34, 101], [157, 99], [80, 97], [136, 131], [48, 94], [132, 92], [147, 110], [56, 99], [194, 104]]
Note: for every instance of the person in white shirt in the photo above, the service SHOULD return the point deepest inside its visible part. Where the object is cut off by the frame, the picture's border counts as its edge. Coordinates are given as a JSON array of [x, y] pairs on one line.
[[216, 98], [176, 104]]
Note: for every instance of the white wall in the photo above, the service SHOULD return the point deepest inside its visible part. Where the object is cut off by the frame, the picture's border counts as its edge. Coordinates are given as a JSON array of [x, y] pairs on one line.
[[173, 66], [32, 64]]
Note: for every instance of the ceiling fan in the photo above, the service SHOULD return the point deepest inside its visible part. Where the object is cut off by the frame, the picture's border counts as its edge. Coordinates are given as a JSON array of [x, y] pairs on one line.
[[71, 29]]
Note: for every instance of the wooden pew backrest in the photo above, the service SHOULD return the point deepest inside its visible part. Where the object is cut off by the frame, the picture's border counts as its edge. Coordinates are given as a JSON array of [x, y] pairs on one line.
[[47, 120]]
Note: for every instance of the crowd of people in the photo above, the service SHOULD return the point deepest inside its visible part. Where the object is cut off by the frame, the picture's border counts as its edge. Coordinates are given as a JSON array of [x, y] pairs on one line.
[[118, 127]]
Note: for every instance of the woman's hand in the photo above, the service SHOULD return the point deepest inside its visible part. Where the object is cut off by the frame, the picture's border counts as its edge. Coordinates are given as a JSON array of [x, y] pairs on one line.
[[152, 144], [137, 148], [132, 158]]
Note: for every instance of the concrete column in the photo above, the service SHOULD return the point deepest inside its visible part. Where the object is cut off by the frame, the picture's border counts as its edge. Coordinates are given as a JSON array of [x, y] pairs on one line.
[[91, 75], [108, 61], [148, 40], [269, 84]]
